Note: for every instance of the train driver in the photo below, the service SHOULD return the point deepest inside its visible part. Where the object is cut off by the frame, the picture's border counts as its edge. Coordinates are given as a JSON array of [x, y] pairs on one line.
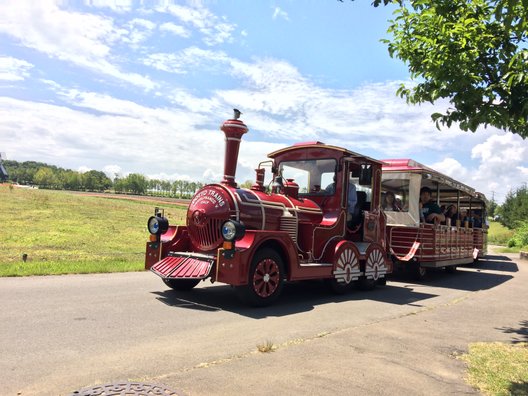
[[430, 212]]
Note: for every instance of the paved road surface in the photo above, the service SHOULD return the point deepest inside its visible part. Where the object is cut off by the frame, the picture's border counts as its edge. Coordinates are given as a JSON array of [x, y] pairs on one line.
[[62, 333]]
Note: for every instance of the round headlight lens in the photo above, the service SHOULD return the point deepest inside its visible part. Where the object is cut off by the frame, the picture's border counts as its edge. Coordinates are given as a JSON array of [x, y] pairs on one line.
[[157, 225], [229, 231], [153, 225]]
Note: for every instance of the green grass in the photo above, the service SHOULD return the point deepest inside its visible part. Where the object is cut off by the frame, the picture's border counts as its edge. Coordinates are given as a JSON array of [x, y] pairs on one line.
[[497, 368], [64, 233], [498, 234]]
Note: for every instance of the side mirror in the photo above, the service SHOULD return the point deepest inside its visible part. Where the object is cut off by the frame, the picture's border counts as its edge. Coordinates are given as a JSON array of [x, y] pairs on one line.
[[365, 175]]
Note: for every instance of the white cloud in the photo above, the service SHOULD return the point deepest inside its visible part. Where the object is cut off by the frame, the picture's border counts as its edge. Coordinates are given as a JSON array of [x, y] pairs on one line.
[[82, 39], [115, 5], [113, 171], [451, 167], [502, 165], [139, 30], [280, 13], [215, 30], [524, 171], [503, 161], [13, 69], [177, 30], [186, 60], [83, 169]]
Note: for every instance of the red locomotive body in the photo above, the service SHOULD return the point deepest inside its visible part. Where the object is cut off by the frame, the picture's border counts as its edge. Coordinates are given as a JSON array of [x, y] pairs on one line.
[[321, 220]]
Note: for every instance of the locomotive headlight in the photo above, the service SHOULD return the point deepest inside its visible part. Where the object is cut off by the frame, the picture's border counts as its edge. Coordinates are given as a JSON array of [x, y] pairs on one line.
[[233, 230], [157, 225]]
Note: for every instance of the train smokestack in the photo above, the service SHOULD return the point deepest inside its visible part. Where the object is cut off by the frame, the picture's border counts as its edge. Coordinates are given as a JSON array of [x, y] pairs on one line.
[[233, 130]]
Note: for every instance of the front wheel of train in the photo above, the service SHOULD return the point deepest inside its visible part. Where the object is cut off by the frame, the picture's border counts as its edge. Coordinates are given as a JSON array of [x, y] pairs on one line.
[[265, 279]]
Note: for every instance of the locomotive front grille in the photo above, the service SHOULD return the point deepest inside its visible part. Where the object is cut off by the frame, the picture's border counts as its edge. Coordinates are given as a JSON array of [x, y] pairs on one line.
[[207, 236], [289, 224]]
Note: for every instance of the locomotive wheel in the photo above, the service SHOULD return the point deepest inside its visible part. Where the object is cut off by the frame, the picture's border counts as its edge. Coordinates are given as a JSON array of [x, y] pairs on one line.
[[337, 287], [181, 284], [265, 279], [367, 284]]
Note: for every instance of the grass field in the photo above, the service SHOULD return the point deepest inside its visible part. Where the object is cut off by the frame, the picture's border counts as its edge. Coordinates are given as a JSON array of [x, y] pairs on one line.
[[499, 235], [63, 232], [497, 368]]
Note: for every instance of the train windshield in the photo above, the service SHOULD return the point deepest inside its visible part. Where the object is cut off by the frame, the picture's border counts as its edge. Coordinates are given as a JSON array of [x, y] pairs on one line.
[[313, 176]]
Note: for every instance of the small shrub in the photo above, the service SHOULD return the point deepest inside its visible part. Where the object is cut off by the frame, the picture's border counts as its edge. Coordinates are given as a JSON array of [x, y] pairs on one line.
[[268, 346], [520, 237]]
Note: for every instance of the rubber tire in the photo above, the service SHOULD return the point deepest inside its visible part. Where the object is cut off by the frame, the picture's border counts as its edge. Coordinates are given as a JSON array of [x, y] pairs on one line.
[[451, 269], [181, 284], [382, 281], [247, 294], [336, 287], [419, 273], [366, 284]]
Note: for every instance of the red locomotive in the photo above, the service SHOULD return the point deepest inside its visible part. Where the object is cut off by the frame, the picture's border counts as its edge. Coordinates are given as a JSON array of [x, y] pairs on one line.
[[321, 220], [325, 216]]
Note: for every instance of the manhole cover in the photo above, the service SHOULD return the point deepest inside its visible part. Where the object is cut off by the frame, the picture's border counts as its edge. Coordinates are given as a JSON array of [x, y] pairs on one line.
[[126, 389]]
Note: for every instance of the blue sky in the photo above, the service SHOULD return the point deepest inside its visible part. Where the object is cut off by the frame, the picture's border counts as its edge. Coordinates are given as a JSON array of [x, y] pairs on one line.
[[142, 86]]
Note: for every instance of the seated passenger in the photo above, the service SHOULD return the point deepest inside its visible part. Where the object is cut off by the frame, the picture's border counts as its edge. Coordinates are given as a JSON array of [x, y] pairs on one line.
[[429, 211], [390, 203], [477, 220], [451, 213], [465, 216]]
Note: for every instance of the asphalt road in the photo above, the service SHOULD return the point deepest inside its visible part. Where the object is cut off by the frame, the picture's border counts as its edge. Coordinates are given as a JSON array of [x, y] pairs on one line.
[[59, 334]]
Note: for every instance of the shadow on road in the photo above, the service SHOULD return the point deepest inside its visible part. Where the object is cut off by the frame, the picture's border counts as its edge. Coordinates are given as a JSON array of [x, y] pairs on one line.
[[496, 263], [305, 296], [521, 331], [471, 278], [296, 297]]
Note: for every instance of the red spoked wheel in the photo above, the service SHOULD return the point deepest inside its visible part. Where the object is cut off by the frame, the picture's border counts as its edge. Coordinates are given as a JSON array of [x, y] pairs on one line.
[[265, 279]]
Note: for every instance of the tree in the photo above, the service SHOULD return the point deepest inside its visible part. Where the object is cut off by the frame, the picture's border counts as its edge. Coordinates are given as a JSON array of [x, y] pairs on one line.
[[472, 52], [45, 178], [96, 181], [492, 207], [136, 183], [246, 184], [71, 180], [514, 210]]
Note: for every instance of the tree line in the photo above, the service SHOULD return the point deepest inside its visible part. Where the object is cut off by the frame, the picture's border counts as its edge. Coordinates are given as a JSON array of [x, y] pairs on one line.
[[52, 177], [513, 213]]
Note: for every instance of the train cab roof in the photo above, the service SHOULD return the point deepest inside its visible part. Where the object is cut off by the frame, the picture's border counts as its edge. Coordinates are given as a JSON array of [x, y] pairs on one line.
[[315, 150]]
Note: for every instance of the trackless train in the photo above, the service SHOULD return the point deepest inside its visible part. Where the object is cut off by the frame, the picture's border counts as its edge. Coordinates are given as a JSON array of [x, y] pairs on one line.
[[322, 218]]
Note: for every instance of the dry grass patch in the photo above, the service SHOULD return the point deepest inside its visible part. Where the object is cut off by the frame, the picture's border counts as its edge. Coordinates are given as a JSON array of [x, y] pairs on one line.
[[498, 368]]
